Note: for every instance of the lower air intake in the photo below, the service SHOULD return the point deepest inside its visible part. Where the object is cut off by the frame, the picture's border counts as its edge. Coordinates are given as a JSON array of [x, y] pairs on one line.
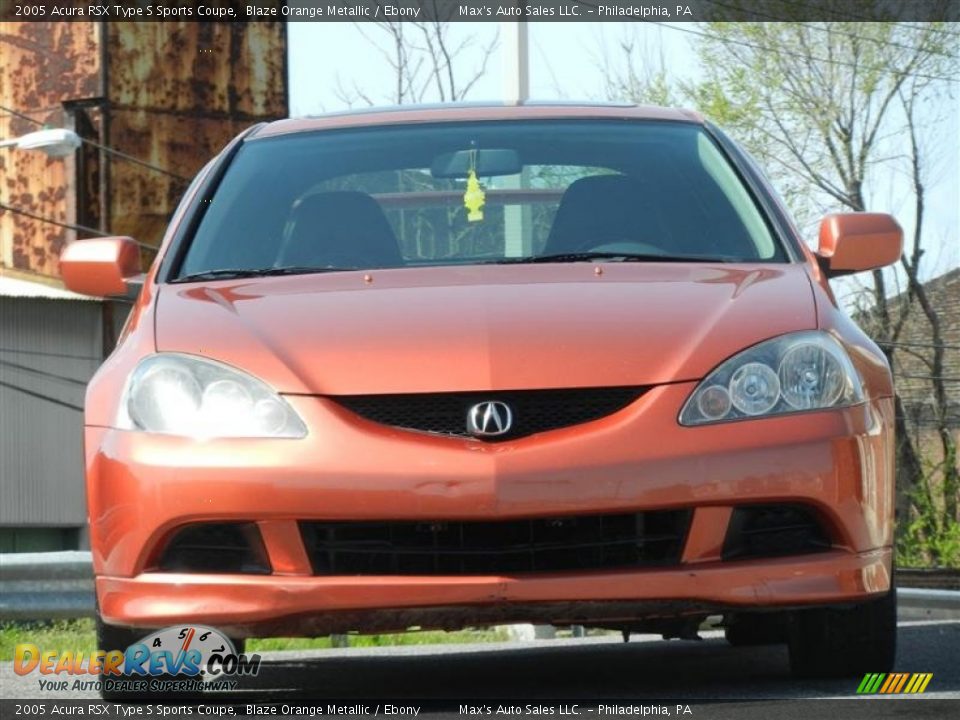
[[587, 542], [774, 530], [215, 548]]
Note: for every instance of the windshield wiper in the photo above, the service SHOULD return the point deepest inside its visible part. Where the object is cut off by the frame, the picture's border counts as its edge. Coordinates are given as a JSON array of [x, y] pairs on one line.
[[232, 273], [616, 256]]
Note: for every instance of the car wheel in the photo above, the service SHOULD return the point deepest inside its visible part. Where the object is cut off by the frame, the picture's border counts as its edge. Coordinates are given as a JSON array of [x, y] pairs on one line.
[[757, 629], [114, 637], [845, 642]]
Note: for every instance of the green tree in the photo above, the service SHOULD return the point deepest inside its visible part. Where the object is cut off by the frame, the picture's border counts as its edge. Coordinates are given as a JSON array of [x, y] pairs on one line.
[[831, 109], [828, 108]]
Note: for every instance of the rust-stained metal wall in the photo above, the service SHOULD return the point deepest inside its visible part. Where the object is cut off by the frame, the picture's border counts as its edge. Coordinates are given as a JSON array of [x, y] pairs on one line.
[[168, 94], [178, 93], [41, 64]]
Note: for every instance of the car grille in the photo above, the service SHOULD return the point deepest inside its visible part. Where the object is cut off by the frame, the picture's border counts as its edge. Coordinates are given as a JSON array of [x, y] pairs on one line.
[[588, 542], [533, 411]]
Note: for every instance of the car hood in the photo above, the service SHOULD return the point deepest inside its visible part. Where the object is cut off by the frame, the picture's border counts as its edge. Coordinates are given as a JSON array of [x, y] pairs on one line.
[[495, 327]]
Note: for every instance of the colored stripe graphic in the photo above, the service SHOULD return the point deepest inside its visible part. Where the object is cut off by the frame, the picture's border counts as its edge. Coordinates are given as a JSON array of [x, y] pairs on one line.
[[900, 684], [894, 683], [891, 680]]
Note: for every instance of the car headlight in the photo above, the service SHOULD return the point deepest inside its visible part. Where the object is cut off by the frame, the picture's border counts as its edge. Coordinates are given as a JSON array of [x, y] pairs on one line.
[[802, 371], [185, 395]]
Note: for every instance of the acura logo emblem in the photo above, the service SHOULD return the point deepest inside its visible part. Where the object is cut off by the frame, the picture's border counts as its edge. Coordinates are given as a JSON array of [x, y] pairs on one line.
[[489, 419]]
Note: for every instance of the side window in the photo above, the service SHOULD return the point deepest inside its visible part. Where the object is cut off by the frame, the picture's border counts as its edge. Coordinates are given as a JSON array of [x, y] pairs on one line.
[[737, 195]]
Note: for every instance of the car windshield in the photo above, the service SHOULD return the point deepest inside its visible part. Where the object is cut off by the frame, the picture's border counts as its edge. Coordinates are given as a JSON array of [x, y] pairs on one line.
[[477, 192]]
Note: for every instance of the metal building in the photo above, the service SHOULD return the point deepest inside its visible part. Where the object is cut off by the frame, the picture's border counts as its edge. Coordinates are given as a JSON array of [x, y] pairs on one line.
[[153, 102], [51, 345]]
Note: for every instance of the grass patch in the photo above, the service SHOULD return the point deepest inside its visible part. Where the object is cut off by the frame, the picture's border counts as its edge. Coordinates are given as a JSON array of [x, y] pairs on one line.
[[79, 635], [422, 637], [71, 635]]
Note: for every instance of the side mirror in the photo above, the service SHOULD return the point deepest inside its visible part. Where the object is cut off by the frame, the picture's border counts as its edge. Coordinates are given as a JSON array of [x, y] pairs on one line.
[[854, 242], [100, 266]]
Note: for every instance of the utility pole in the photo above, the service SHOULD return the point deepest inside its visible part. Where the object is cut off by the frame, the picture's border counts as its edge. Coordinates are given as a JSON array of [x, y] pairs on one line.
[[516, 61], [517, 219]]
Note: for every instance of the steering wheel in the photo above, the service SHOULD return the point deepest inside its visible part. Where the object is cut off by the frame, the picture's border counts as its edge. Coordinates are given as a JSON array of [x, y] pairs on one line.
[[631, 247]]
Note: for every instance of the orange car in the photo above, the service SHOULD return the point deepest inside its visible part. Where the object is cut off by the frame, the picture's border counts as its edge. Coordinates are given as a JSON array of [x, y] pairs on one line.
[[459, 366]]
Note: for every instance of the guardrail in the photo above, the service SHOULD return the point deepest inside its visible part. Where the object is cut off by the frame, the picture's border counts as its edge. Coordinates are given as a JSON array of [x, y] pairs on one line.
[[928, 604], [60, 585], [933, 578], [46, 586]]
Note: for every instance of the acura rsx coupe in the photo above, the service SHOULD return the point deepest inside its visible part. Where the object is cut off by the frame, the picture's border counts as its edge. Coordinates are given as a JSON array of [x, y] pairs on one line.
[[460, 366]]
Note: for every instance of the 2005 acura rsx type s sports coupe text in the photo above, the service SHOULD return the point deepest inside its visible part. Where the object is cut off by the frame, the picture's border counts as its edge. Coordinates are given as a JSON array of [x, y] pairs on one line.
[[458, 366]]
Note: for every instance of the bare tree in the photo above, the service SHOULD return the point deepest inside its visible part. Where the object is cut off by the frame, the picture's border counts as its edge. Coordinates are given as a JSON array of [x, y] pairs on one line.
[[635, 70], [424, 59], [910, 95]]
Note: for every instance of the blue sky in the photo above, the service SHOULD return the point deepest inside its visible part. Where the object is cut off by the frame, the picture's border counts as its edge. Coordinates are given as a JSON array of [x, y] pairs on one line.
[[566, 61]]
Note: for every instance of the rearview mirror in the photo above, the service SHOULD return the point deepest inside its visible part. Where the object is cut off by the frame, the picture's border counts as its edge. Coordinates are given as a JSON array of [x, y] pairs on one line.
[[854, 242], [486, 163], [100, 266]]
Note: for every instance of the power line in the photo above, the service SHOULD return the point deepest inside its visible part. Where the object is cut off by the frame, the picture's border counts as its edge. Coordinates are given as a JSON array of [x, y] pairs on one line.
[[41, 396], [42, 353], [136, 161], [879, 41], [934, 346], [41, 218], [927, 377], [69, 226], [105, 148], [113, 151], [21, 115], [44, 373], [781, 51]]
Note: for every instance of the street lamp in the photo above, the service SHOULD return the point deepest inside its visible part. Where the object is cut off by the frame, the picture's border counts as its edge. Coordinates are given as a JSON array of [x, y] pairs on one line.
[[55, 142]]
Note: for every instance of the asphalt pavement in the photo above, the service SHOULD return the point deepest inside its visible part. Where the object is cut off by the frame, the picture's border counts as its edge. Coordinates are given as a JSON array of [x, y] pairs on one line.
[[716, 679]]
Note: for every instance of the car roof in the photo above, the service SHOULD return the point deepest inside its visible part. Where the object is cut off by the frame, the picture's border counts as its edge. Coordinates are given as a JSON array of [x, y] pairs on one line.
[[460, 112]]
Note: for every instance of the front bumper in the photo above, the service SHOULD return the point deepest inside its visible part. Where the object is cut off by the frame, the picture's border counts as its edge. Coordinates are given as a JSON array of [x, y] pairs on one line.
[[247, 606], [141, 488]]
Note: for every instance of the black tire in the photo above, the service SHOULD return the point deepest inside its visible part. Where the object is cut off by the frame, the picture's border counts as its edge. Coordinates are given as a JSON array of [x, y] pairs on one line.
[[757, 629], [114, 637], [845, 642]]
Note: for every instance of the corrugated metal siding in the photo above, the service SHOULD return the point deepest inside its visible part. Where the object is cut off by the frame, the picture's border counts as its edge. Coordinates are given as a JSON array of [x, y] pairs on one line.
[[49, 349]]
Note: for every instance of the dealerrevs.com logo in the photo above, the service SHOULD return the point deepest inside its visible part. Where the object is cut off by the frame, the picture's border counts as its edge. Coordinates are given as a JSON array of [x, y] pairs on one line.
[[175, 658]]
